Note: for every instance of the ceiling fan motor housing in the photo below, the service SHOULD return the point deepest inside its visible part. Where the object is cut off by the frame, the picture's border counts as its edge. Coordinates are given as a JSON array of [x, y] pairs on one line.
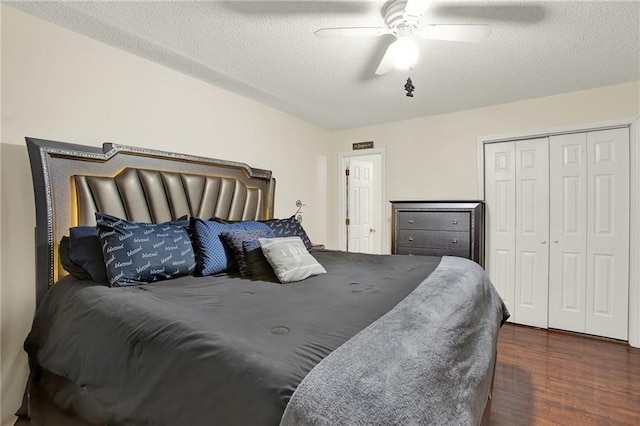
[[397, 19]]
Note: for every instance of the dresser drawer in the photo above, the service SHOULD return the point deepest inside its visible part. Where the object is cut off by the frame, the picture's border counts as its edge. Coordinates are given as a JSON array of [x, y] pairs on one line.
[[433, 252], [450, 240], [434, 220]]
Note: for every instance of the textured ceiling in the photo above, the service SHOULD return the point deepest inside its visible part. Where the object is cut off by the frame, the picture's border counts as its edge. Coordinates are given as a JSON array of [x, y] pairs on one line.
[[266, 50]]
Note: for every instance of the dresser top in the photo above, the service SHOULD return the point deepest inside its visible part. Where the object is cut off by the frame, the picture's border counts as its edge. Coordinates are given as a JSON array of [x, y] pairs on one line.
[[437, 201]]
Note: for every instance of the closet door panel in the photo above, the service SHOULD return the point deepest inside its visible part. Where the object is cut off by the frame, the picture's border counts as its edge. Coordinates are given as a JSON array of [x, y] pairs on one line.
[[532, 232], [568, 231], [500, 219], [607, 278]]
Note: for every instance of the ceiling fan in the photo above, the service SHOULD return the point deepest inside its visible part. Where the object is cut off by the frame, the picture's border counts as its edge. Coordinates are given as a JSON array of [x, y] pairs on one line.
[[403, 19]]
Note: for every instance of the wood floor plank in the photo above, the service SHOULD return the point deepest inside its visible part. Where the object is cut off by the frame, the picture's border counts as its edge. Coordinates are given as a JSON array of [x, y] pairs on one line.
[[546, 377]]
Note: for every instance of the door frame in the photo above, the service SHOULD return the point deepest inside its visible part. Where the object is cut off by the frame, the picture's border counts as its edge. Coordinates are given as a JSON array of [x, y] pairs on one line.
[[633, 123], [342, 194]]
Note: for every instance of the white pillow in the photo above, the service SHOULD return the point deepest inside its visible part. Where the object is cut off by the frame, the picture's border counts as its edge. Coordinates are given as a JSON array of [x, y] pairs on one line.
[[290, 259]]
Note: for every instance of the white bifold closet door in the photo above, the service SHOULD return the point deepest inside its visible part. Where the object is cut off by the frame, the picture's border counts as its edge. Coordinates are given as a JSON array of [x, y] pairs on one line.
[[557, 216], [517, 199], [500, 201], [589, 254], [532, 232]]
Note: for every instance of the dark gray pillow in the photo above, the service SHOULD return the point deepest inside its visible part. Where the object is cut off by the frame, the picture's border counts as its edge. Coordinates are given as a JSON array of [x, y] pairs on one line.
[[235, 240], [259, 268]]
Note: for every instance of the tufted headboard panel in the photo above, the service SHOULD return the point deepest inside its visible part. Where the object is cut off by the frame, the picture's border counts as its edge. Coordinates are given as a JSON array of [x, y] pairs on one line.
[[159, 196], [72, 182]]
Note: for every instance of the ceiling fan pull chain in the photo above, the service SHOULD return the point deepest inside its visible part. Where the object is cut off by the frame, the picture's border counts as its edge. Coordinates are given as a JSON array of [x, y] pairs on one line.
[[409, 87]]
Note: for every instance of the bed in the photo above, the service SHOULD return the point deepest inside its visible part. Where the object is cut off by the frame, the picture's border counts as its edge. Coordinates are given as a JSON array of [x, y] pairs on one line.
[[369, 340]]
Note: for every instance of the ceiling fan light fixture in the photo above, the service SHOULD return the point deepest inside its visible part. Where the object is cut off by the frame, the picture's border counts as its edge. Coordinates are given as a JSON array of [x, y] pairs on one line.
[[404, 52]]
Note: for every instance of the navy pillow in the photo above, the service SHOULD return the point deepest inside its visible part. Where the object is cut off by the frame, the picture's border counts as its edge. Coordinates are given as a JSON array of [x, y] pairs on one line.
[[235, 240], [289, 227], [85, 251], [67, 264], [212, 255], [138, 253]]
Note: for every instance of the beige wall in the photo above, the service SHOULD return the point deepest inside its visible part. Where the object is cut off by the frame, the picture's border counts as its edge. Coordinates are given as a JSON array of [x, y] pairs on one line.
[[63, 86], [436, 157]]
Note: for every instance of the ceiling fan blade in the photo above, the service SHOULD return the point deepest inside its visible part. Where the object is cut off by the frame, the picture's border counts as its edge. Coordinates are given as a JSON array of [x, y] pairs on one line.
[[415, 8], [465, 33], [386, 63], [352, 31]]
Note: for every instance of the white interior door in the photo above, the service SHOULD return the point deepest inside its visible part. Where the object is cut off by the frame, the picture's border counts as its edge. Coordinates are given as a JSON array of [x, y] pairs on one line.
[[608, 233], [532, 232], [568, 231], [361, 227], [500, 177]]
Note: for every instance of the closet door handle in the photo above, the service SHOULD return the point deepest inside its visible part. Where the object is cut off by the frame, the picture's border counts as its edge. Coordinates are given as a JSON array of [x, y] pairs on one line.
[[410, 220], [410, 238], [543, 242], [555, 241]]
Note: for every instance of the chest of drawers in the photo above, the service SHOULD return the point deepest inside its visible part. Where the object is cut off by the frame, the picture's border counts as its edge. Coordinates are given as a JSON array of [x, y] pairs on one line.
[[438, 228]]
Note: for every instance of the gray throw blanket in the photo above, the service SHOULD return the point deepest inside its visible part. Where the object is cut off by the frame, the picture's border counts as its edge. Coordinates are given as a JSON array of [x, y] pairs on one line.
[[428, 361]]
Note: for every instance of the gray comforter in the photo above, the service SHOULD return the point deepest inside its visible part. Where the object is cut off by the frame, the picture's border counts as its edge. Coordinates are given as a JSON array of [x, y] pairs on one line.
[[428, 361], [214, 350]]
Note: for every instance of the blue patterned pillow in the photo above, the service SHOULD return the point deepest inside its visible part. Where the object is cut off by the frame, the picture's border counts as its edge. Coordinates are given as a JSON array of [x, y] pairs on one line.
[[212, 255], [235, 241], [289, 227], [137, 253], [254, 225]]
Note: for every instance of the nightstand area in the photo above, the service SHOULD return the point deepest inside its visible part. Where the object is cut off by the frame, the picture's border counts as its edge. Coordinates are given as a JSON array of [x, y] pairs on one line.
[[438, 228]]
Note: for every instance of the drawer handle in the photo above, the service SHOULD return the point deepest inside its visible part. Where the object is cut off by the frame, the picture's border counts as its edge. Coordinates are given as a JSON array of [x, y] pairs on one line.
[[454, 222], [410, 238], [455, 241], [410, 220]]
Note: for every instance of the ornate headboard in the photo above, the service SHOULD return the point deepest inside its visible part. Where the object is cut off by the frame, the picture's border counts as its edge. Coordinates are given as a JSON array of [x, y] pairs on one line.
[[71, 182]]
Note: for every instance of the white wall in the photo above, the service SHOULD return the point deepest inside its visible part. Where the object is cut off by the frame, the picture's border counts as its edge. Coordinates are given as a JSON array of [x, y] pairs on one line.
[[63, 86], [436, 157]]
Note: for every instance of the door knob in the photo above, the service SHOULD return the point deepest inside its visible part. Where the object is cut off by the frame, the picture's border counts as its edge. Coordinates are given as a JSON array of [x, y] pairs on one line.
[[372, 230]]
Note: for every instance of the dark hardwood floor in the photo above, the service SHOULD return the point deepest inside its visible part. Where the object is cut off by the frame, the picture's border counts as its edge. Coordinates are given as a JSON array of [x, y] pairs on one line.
[[546, 377]]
